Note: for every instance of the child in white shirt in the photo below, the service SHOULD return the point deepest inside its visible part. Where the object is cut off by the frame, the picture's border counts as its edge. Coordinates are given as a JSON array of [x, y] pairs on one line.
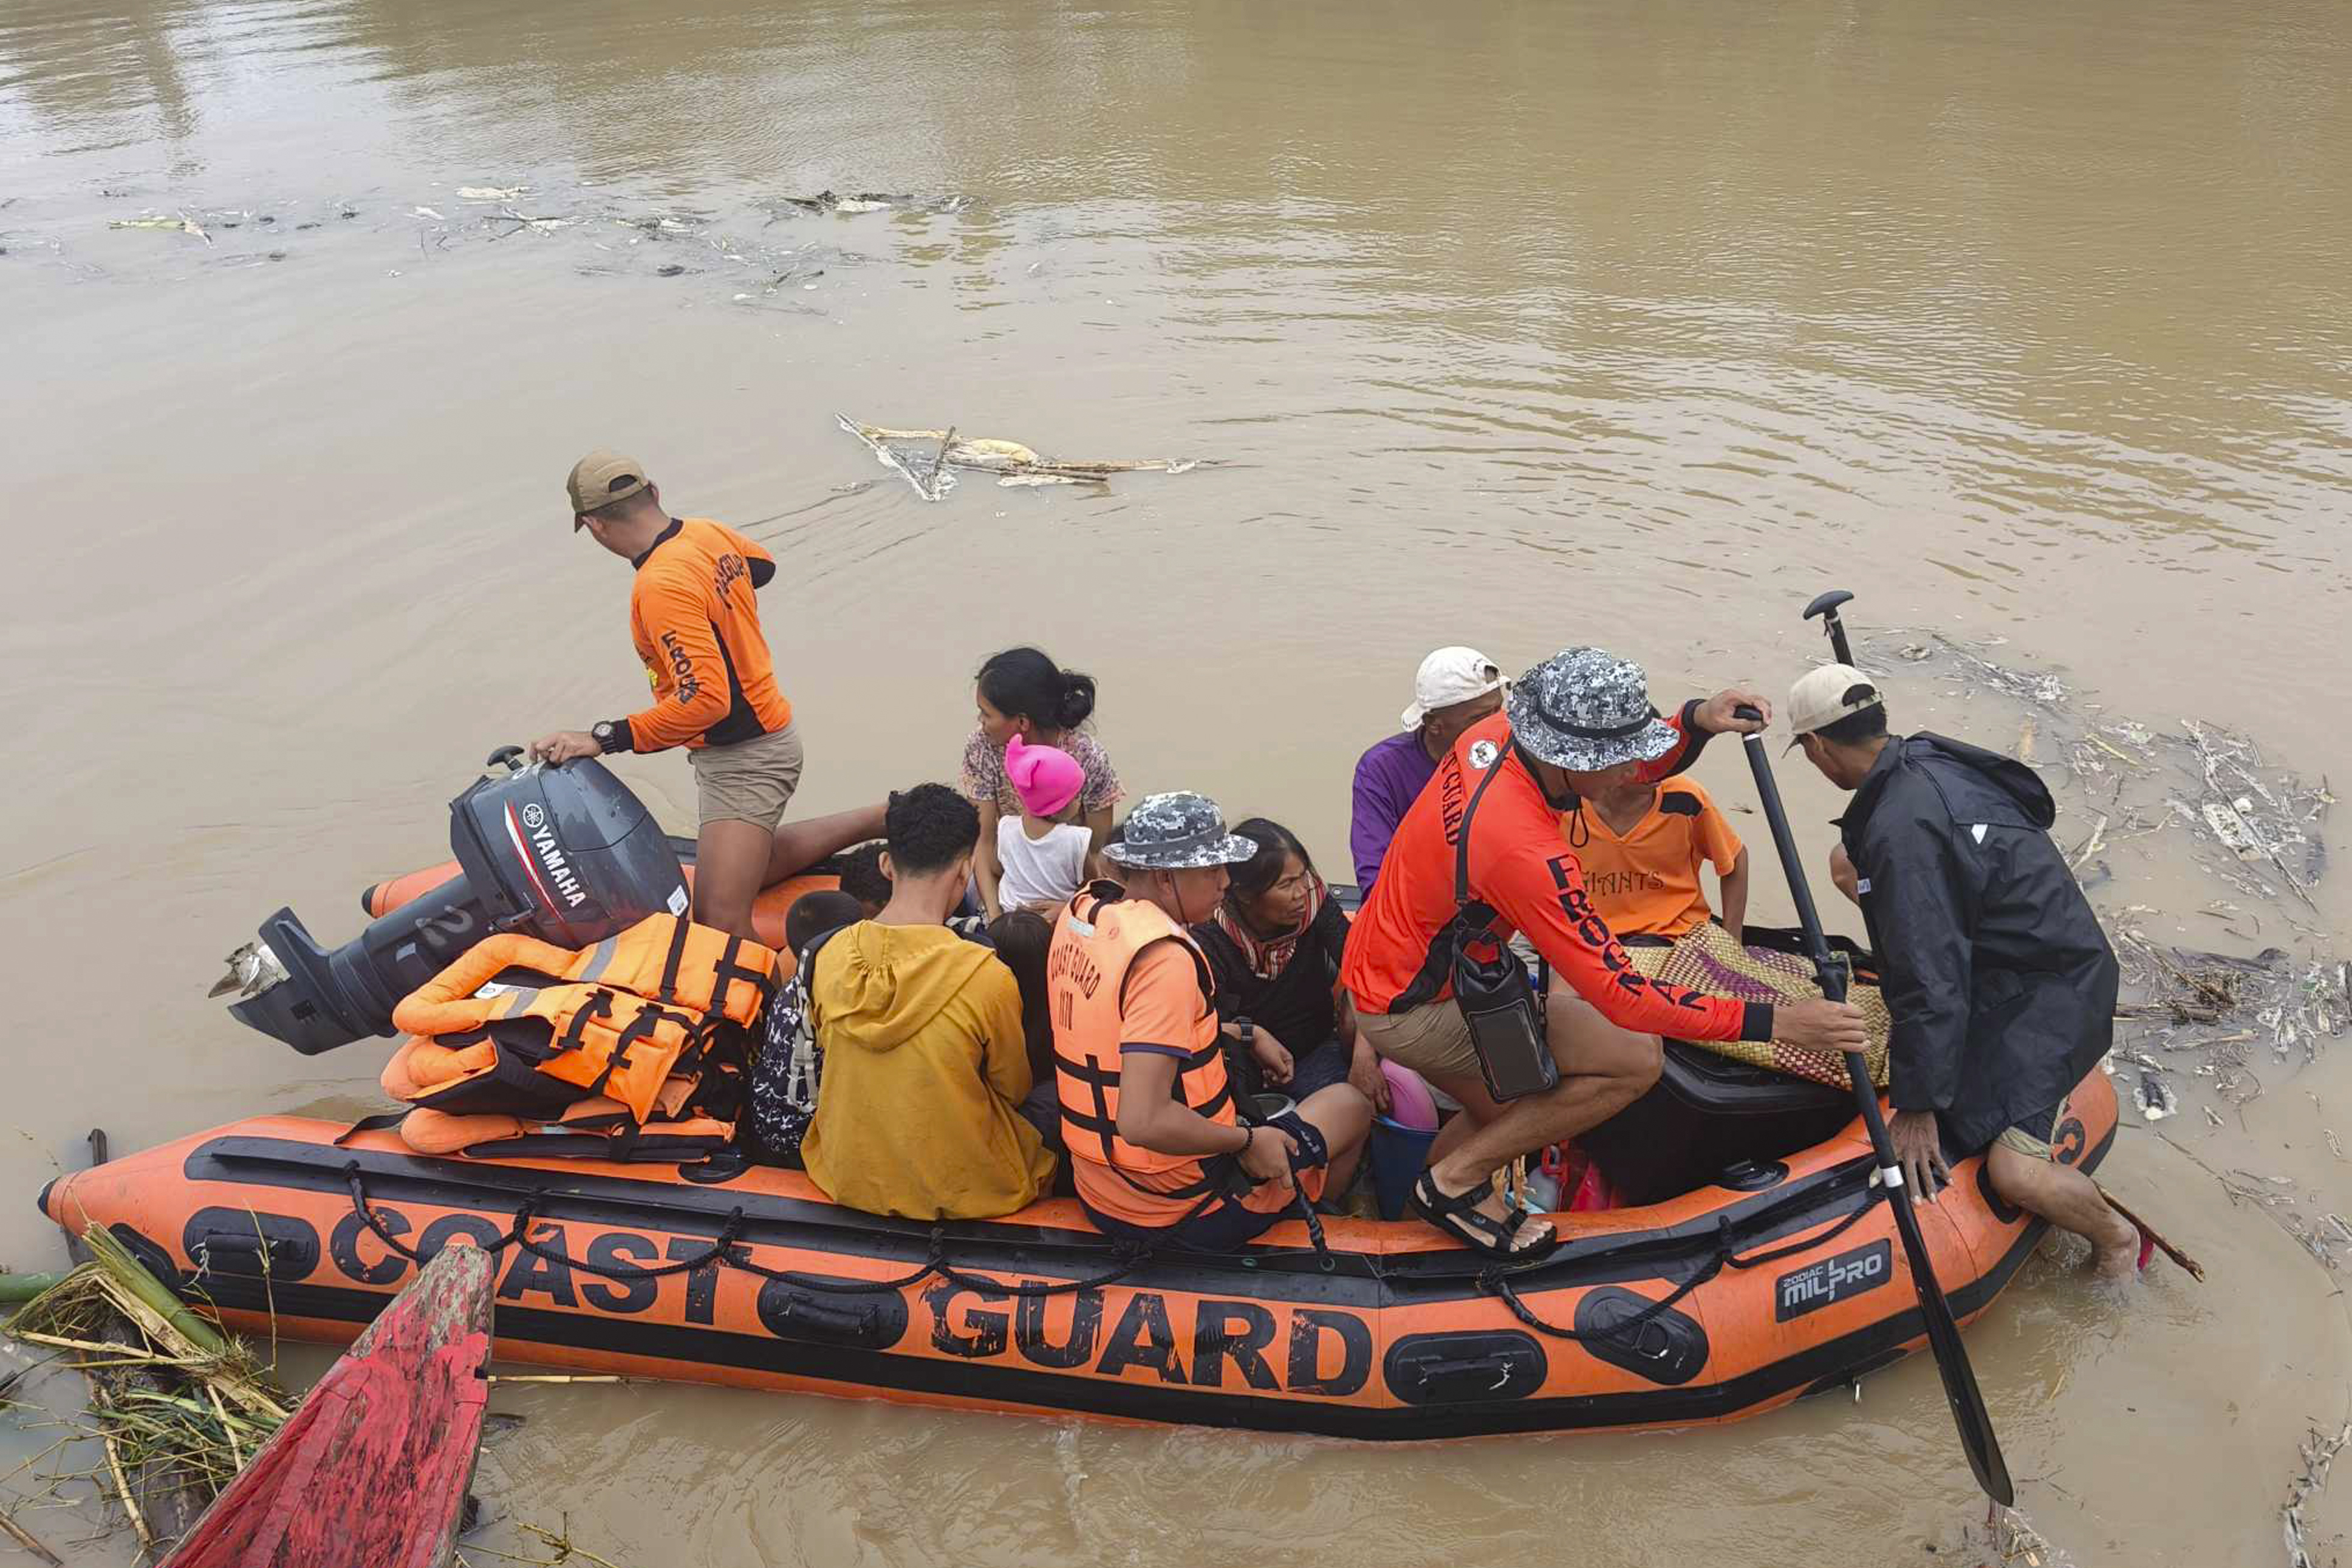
[[1045, 857]]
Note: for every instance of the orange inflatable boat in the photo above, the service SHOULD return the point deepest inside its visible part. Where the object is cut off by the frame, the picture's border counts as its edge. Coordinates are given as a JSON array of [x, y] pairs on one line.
[[1779, 1278]]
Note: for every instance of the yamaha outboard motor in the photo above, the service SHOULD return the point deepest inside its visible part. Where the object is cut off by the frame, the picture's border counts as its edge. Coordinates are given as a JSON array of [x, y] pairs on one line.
[[566, 854]]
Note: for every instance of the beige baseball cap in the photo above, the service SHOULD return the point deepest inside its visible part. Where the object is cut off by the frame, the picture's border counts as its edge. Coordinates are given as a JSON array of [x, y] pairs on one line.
[[1447, 676], [1820, 698], [599, 479]]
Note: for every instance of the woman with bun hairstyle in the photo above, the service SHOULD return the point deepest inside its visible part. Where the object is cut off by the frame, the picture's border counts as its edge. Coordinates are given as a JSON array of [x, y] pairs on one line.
[[1021, 692]]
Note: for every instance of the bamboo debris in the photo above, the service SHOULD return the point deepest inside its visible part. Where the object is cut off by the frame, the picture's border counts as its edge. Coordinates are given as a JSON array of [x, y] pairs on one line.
[[108, 1251], [26, 1539], [888, 458], [1011, 461], [178, 1406], [21, 1288], [2319, 1451], [947, 444], [122, 1485]]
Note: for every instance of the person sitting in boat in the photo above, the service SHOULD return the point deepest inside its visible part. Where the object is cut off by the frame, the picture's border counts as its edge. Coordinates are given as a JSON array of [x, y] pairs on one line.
[[780, 1095], [862, 877], [918, 1112], [1642, 843], [2001, 981], [1578, 723], [695, 616], [1274, 944], [1021, 938], [1042, 851], [1455, 688], [1156, 1147], [1022, 692]]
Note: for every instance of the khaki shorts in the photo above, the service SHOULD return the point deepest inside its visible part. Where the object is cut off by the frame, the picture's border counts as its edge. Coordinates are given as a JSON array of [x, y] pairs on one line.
[[750, 782], [1434, 1039], [2034, 1136]]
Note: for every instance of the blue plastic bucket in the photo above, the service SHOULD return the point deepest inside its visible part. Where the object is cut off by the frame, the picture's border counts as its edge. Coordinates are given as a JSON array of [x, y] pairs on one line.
[[1398, 1154]]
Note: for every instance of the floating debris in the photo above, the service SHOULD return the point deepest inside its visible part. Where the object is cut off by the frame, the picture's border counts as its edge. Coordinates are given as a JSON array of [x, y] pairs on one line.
[[490, 192], [181, 223], [544, 223], [2199, 798], [429, 213], [875, 202], [177, 1407], [2155, 1097], [2319, 1451], [2006, 1539], [1012, 461]]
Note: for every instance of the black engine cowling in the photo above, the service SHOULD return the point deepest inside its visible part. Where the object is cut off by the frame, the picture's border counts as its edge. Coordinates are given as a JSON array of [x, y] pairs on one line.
[[566, 854]]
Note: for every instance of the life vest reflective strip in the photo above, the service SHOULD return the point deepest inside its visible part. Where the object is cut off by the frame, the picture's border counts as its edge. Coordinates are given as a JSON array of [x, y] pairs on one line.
[[1095, 944], [601, 1037]]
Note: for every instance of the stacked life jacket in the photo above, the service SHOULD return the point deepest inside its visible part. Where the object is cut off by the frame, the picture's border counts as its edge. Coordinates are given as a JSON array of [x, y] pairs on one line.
[[630, 1048], [1086, 981]]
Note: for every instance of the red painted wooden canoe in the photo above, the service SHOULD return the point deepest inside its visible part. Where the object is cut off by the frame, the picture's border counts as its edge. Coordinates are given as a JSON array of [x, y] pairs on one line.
[[371, 1472]]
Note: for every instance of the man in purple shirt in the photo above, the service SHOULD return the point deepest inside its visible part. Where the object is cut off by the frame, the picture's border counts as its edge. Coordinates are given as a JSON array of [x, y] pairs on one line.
[[1455, 688]]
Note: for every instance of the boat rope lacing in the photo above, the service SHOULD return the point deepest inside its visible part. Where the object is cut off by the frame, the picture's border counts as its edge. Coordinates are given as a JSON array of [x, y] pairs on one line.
[[1496, 1282], [727, 1249]]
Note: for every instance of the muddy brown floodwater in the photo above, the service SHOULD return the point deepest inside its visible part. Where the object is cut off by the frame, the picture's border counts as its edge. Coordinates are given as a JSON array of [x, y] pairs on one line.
[[1516, 324]]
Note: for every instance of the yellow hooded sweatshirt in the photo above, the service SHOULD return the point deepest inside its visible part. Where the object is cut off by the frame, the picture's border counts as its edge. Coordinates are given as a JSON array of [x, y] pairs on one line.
[[925, 1064]]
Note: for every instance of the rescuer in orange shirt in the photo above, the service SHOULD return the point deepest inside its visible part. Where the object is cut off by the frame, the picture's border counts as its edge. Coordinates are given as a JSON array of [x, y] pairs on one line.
[[1480, 857], [695, 617]]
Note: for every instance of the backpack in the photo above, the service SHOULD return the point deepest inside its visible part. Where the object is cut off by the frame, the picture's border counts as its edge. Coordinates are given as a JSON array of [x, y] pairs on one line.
[[780, 1094]]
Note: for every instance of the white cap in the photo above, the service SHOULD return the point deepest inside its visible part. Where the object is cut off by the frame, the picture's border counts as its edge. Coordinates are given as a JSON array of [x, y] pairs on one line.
[[1819, 697], [1451, 676]]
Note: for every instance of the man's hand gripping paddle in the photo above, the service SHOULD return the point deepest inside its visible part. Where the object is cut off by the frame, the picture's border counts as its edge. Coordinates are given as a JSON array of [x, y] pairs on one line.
[[1960, 1391]]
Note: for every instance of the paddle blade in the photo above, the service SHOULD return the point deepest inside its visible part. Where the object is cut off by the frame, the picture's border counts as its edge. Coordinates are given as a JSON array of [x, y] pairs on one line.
[[1960, 1391]]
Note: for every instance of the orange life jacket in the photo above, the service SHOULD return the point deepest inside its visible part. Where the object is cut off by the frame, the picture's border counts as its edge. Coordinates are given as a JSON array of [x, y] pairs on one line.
[[1096, 941], [615, 1019], [592, 1128]]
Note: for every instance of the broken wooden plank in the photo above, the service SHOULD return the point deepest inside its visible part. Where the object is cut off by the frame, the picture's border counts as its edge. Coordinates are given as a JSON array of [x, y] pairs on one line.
[[371, 1470]]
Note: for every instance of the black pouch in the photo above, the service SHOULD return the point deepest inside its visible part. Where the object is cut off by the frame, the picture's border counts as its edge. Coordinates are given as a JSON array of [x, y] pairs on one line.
[[1496, 994], [1506, 1029]]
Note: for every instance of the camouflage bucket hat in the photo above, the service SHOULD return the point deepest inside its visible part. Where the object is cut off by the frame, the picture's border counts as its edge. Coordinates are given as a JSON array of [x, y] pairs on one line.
[[1588, 711], [1178, 832]]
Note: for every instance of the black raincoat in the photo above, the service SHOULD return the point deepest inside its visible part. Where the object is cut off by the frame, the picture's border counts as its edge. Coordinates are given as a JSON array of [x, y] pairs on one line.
[[2001, 985]]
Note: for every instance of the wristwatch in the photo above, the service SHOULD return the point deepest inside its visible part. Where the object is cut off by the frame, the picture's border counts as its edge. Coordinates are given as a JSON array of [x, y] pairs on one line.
[[610, 735], [1249, 1031]]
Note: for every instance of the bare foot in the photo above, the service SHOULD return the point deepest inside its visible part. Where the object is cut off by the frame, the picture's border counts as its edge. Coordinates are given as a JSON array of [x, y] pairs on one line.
[[2115, 1258]]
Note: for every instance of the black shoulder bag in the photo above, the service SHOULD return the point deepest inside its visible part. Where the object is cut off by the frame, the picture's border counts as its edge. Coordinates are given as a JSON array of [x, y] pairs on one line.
[[1496, 994]]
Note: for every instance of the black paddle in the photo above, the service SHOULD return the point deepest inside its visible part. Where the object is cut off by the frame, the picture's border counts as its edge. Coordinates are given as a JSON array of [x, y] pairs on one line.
[[1826, 607], [1969, 1412]]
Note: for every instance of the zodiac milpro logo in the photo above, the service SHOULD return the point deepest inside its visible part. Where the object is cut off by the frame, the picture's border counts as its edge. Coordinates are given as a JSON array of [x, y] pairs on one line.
[[1838, 1279]]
